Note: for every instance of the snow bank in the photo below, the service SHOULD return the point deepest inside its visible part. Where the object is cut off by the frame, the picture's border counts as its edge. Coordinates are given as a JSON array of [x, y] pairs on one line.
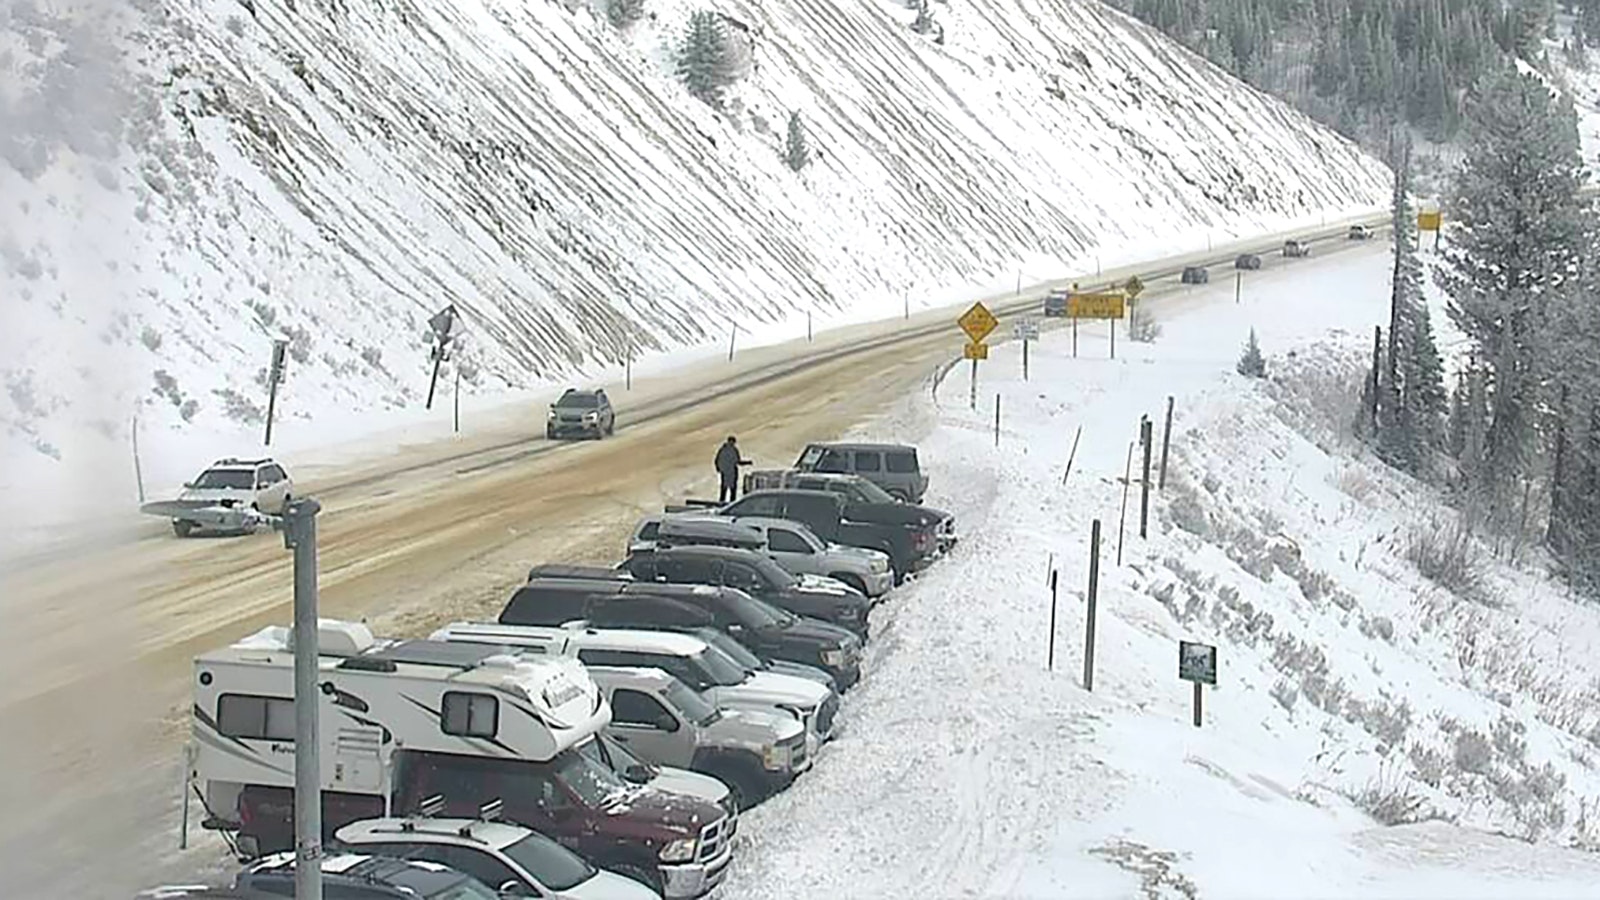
[[181, 183], [1353, 694]]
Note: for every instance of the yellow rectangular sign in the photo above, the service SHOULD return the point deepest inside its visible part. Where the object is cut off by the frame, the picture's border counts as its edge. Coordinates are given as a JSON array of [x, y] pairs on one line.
[[1097, 306], [975, 350], [1429, 221]]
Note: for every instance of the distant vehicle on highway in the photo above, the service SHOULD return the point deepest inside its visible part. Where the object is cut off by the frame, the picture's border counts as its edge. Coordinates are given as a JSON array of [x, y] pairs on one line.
[[1247, 261], [1196, 275], [1296, 248], [1359, 233], [585, 413], [255, 484], [1055, 304]]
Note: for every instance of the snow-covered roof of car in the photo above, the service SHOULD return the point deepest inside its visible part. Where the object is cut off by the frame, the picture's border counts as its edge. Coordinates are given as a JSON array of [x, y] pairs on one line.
[[494, 835]]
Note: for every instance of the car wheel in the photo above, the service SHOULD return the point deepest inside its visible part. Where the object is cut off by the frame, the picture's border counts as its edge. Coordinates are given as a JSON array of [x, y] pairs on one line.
[[645, 874], [182, 528]]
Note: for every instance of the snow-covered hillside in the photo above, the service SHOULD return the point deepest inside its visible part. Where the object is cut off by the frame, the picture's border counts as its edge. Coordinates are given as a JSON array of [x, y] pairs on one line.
[[1372, 733], [334, 171]]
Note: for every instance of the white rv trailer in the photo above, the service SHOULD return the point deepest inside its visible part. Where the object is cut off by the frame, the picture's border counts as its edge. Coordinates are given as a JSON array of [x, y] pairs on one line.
[[377, 696]]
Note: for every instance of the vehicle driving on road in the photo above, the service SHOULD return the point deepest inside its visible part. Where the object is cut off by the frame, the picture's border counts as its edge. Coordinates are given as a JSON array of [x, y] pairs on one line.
[[1247, 261], [584, 413], [261, 485], [1294, 248]]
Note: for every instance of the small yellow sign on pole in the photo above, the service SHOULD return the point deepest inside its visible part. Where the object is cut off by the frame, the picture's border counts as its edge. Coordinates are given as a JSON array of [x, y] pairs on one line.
[[978, 322], [1429, 220], [975, 350], [1111, 305]]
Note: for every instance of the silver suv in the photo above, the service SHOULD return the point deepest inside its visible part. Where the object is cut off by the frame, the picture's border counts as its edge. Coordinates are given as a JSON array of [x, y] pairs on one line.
[[790, 544], [582, 413], [254, 484]]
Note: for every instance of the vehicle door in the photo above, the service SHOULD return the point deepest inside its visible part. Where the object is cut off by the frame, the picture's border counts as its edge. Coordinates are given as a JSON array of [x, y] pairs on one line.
[[272, 487], [833, 460], [647, 728], [788, 549]]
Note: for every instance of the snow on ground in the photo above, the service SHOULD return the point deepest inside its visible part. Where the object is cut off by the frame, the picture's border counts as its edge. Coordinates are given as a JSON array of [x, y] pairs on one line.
[[1349, 686], [180, 183]]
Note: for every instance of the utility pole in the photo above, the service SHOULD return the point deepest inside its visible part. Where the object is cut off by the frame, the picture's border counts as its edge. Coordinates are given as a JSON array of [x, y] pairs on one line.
[[300, 535]]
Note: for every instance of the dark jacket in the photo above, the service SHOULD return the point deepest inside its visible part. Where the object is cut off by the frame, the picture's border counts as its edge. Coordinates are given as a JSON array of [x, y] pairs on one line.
[[729, 461]]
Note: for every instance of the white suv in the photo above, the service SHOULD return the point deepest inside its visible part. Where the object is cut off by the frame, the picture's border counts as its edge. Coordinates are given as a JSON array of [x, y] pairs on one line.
[[258, 484]]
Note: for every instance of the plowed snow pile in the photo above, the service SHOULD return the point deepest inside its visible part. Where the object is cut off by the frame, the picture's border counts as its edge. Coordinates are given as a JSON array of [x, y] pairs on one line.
[[180, 182], [1372, 734]]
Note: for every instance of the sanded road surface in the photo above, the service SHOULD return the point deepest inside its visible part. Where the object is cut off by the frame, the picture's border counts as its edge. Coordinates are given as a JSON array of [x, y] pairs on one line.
[[98, 641]]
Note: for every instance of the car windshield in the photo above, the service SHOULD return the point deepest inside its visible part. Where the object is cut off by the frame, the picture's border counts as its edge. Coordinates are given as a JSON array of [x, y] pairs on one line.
[[226, 479], [871, 493], [721, 669], [735, 651], [556, 867], [596, 785], [694, 706], [578, 401], [774, 574], [756, 614], [465, 889]]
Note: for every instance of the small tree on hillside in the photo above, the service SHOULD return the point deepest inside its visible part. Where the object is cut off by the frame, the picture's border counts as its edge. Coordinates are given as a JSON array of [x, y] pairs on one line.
[[1251, 363], [796, 151], [623, 13], [707, 62]]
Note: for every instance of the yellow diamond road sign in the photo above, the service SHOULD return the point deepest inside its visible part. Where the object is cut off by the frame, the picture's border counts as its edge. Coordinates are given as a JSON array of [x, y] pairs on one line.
[[1134, 287], [977, 322]]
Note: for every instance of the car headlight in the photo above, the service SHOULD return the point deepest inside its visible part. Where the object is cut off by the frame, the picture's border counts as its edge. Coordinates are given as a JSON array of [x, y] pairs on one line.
[[590, 417], [834, 657], [775, 757], [551, 415], [680, 850], [880, 565]]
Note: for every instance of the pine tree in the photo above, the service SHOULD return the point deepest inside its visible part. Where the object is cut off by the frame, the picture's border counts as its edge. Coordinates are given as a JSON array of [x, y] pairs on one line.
[[623, 13], [1251, 363], [706, 60], [1509, 261], [796, 151]]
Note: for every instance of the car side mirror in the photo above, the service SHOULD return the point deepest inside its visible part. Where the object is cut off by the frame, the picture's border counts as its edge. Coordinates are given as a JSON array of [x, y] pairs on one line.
[[636, 773], [188, 485]]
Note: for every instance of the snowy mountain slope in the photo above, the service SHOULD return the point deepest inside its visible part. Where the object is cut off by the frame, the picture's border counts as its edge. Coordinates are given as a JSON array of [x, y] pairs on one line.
[[1353, 694], [335, 170]]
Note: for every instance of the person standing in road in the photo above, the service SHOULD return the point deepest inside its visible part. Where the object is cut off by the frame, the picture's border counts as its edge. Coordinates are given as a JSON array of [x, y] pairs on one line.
[[728, 463]]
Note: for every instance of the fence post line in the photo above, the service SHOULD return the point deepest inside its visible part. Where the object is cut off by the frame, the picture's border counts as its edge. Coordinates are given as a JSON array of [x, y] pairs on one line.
[[1146, 437], [1094, 597], [1072, 455], [1122, 517], [997, 420], [1050, 656], [1166, 444]]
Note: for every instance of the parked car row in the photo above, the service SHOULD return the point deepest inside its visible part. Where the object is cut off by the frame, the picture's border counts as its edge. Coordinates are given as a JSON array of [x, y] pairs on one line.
[[601, 736]]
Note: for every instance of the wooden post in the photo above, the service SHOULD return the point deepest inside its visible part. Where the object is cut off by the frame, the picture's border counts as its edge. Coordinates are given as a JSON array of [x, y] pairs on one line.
[[627, 372], [1073, 455], [1094, 597], [1377, 352], [1198, 694], [808, 326], [908, 306], [138, 468], [1238, 286], [1166, 444], [1050, 655], [997, 420], [733, 333], [458, 397], [1024, 358], [1146, 437], [1122, 517]]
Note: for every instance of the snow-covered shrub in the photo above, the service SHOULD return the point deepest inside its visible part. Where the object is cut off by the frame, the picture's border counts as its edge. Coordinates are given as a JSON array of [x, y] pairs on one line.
[[1286, 694], [1142, 326], [372, 356], [1472, 752], [167, 387], [623, 13], [1429, 764], [1378, 627], [150, 338], [796, 151], [240, 408], [1446, 555], [1390, 802]]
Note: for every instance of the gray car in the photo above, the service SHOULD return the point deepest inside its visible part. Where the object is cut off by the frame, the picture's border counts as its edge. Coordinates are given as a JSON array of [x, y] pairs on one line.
[[662, 720], [581, 413], [893, 467]]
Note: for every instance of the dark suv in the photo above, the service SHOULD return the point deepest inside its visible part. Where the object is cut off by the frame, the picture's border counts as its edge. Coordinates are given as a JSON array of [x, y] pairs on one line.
[[582, 413], [758, 576], [353, 876], [555, 595]]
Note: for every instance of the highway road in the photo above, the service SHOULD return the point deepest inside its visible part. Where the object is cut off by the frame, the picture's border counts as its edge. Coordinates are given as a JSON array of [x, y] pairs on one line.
[[95, 656]]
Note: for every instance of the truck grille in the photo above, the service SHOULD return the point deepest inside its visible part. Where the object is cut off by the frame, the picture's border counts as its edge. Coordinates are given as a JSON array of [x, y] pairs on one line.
[[714, 839], [797, 752], [825, 714]]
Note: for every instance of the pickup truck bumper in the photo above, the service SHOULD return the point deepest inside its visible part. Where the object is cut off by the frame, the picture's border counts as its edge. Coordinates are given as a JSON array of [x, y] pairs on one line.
[[877, 584], [688, 880]]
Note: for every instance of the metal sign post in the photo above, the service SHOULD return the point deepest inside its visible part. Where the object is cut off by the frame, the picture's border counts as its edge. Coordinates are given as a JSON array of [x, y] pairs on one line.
[[442, 323], [1146, 437], [300, 535], [1197, 663], [1166, 444], [1094, 598], [274, 375], [1050, 655], [978, 323]]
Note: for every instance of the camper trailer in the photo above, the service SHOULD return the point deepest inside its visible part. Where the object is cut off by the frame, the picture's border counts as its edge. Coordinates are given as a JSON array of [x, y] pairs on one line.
[[403, 720]]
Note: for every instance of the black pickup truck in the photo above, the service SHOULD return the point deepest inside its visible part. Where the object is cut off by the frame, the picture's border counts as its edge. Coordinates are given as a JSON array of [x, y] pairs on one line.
[[558, 594], [864, 500], [910, 547]]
